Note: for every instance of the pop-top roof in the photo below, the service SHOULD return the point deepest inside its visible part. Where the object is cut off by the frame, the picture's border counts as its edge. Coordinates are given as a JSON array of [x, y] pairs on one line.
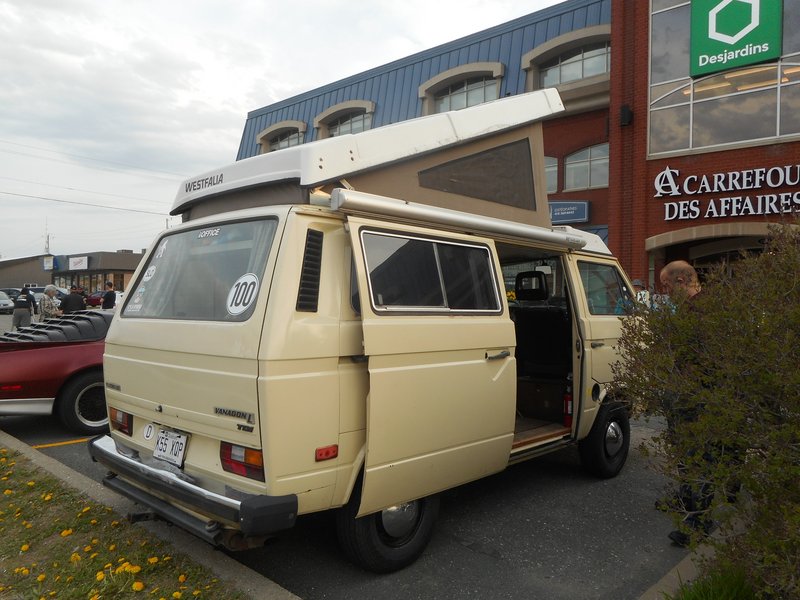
[[313, 164]]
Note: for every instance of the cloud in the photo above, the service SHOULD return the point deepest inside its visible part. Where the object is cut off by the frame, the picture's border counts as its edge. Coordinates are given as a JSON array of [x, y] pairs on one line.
[[114, 103]]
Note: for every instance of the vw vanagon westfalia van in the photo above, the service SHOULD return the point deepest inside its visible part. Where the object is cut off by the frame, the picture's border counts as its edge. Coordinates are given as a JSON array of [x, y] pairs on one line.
[[357, 324]]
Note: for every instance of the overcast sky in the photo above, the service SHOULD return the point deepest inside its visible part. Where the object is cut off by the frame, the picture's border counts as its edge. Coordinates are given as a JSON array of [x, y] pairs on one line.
[[111, 103]]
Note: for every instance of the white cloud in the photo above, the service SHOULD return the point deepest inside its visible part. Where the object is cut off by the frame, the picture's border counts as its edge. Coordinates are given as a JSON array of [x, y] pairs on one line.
[[90, 87]]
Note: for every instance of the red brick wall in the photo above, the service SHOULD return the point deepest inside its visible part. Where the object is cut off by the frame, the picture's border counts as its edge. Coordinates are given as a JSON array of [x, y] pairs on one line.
[[566, 135]]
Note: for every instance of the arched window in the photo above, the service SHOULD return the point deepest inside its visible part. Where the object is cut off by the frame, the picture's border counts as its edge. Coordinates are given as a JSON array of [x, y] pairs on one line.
[[551, 173], [281, 135], [352, 116], [578, 63], [460, 87], [587, 168], [462, 94], [350, 123]]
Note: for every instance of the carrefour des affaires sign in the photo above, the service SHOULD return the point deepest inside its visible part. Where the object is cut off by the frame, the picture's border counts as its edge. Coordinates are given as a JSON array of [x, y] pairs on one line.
[[727, 34]]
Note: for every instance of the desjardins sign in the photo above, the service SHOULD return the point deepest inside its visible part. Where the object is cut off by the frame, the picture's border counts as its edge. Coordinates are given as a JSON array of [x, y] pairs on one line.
[[727, 34], [750, 192]]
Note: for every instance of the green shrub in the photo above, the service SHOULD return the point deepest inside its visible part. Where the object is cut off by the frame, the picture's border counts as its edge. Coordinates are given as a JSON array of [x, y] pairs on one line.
[[730, 359]]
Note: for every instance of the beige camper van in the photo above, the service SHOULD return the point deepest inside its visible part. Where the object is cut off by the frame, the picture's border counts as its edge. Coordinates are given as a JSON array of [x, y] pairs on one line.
[[357, 324]]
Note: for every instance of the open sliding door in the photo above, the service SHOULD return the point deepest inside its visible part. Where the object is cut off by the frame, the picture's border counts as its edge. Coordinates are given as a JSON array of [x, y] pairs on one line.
[[440, 346]]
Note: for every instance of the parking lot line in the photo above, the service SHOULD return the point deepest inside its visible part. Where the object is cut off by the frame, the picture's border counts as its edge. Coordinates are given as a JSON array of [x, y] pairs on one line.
[[64, 443]]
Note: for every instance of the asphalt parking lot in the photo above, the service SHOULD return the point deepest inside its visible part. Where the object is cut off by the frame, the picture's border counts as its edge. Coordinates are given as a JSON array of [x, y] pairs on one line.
[[542, 529]]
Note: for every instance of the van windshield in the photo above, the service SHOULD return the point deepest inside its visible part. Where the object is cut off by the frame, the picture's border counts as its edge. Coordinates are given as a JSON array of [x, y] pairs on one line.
[[211, 273]]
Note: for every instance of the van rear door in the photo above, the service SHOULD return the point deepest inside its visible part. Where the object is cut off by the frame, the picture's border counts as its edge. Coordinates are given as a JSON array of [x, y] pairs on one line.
[[440, 345]]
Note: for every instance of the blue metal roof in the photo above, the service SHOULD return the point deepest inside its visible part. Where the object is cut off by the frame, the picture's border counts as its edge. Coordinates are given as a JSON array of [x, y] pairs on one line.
[[393, 87]]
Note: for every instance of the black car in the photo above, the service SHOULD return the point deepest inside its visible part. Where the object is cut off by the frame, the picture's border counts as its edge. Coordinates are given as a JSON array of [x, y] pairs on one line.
[[12, 292]]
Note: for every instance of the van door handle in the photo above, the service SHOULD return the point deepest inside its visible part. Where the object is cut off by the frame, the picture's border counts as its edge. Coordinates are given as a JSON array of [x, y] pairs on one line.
[[598, 344], [499, 355]]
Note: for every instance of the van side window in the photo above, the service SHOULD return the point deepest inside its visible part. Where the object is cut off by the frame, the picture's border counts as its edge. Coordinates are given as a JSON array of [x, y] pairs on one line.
[[409, 273], [606, 292]]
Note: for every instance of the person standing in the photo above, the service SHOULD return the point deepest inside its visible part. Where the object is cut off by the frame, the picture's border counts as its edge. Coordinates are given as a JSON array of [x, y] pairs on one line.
[[110, 297], [24, 308], [48, 307], [73, 301]]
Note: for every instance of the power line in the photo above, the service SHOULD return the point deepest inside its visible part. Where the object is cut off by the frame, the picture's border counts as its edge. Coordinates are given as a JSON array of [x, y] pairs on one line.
[[109, 169], [147, 212], [110, 162], [72, 189]]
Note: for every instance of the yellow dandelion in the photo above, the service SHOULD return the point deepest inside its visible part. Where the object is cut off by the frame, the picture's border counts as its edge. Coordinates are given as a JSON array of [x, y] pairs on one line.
[[31, 483], [95, 541], [24, 547], [87, 548], [100, 576], [25, 571], [152, 560], [41, 577], [112, 547], [181, 577], [93, 521], [70, 578], [27, 525], [95, 597], [93, 555], [8, 492], [137, 586], [176, 594], [107, 566], [133, 569], [196, 593], [47, 497], [114, 523], [86, 509], [66, 533], [75, 558]]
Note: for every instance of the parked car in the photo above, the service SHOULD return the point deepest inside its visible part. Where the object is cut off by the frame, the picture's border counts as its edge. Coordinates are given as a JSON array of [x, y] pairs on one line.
[[6, 304], [95, 298], [12, 292], [56, 367]]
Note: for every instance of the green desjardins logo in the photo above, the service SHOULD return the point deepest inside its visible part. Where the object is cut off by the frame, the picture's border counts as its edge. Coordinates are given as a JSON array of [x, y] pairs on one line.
[[727, 34]]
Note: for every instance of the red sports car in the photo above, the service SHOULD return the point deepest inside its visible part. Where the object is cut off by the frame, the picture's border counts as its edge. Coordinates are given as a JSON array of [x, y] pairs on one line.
[[56, 367]]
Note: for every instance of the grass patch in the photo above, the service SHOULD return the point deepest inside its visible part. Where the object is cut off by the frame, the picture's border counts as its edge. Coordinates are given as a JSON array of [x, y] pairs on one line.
[[54, 543], [725, 583]]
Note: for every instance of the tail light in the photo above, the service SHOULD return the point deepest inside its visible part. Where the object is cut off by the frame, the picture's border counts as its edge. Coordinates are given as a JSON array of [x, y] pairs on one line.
[[121, 421], [246, 462]]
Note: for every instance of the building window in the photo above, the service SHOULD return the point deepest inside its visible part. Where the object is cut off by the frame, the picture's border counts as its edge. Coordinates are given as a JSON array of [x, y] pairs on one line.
[[462, 94], [460, 87], [551, 173], [578, 63], [352, 116], [284, 140], [281, 135], [587, 168], [352, 123], [694, 114]]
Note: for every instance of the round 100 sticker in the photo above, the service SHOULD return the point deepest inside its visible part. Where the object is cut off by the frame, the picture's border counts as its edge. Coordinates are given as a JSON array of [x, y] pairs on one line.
[[242, 294]]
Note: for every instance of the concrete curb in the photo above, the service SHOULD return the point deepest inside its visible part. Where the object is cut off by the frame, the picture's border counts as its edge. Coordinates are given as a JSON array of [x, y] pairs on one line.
[[241, 578], [685, 571]]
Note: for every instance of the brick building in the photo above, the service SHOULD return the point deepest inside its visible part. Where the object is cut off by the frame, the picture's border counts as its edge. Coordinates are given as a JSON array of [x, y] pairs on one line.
[[681, 135]]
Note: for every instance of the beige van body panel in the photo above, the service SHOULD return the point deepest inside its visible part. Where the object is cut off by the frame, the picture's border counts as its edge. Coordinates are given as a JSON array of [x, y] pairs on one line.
[[440, 412]]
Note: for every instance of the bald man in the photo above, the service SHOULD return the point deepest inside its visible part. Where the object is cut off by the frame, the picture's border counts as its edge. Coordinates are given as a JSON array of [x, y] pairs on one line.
[[679, 278]]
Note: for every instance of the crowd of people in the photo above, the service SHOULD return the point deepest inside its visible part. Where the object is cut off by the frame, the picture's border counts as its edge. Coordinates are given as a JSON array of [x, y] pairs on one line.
[[26, 307]]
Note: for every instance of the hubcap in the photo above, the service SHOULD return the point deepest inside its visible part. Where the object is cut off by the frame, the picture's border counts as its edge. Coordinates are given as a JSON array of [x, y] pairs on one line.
[[398, 521], [90, 406], [614, 438]]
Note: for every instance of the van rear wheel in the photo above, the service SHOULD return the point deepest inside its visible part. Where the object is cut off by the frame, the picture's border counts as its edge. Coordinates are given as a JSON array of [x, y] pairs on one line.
[[604, 451], [388, 540]]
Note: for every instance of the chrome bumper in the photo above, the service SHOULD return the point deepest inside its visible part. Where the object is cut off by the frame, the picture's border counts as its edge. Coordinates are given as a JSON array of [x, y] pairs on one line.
[[256, 515]]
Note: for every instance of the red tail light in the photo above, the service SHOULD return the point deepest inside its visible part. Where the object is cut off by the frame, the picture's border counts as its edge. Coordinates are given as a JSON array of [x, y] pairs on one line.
[[121, 421], [246, 462]]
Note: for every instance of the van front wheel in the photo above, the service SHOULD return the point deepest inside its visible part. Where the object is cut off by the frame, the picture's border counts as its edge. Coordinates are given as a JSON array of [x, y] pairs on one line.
[[605, 450], [388, 540]]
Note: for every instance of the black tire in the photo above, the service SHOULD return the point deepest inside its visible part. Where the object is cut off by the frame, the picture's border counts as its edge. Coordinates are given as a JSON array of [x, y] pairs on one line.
[[388, 540], [604, 451], [81, 403]]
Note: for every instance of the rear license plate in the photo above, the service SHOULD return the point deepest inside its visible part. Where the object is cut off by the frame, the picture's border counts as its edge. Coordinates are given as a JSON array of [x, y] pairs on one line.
[[170, 446]]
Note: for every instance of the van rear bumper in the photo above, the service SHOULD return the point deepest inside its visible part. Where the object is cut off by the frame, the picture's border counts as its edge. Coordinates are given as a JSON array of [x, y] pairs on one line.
[[256, 515]]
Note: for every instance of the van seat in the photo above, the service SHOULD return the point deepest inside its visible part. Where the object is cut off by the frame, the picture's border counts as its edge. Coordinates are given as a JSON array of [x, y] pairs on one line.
[[544, 341]]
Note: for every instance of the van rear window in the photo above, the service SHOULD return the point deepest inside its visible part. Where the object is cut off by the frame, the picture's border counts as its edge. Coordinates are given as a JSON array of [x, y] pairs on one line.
[[212, 273]]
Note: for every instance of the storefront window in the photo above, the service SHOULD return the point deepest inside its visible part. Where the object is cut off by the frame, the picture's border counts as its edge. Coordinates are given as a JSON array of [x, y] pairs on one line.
[[735, 106], [587, 168], [669, 45]]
